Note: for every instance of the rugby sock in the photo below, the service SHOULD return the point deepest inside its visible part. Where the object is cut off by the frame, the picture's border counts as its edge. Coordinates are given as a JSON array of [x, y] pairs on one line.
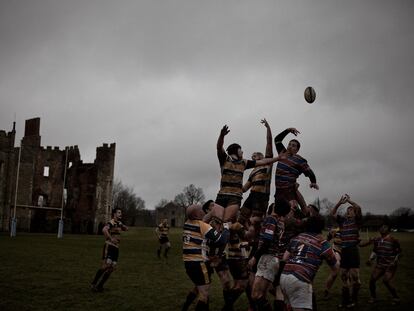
[[166, 252], [355, 291], [278, 305], [345, 296], [227, 298], [105, 277], [98, 276], [201, 306], [391, 289], [235, 294], [159, 253], [372, 289], [314, 306], [263, 305], [189, 300], [249, 295]]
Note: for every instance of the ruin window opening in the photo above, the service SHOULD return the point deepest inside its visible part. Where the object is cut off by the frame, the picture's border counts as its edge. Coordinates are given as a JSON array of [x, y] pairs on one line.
[[40, 200], [46, 171], [70, 164]]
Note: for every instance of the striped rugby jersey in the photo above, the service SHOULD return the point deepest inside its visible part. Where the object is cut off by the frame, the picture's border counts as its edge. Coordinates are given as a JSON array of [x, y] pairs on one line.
[[236, 247], [349, 231], [232, 174], [270, 235], [260, 179], [289, 169], [114, 228], [163, 230], [196, 234], [387, 249], [306, 253]]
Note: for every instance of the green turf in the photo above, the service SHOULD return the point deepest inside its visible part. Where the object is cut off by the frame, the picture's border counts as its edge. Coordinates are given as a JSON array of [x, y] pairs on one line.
[[41, 272]]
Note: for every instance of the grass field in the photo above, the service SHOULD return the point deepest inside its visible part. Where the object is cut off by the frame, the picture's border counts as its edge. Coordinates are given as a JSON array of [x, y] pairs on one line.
[[41, 272]]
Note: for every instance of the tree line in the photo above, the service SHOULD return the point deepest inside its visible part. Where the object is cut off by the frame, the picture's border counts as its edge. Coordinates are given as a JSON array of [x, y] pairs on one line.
[[136, 214]]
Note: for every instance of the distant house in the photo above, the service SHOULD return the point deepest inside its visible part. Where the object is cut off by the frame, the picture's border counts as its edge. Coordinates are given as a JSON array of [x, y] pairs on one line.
[[172, 212]]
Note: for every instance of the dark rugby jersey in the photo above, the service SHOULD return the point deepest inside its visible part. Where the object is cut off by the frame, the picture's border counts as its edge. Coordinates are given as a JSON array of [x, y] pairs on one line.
[[293, 226], [386, 249], [270, 235], [289, 169], [306, 253], [232, 174], [114, 228], [349, 231], [260, 179]]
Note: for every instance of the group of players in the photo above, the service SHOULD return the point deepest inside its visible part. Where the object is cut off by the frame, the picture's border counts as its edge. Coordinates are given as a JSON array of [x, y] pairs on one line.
[[257, 248]]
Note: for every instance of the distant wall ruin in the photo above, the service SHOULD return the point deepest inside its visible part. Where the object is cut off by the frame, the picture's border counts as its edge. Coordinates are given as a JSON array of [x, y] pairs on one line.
[[40, 184]]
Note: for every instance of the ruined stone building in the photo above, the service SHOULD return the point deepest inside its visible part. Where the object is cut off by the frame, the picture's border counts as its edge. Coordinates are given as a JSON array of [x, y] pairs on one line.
[[87, 193], [172, 212]]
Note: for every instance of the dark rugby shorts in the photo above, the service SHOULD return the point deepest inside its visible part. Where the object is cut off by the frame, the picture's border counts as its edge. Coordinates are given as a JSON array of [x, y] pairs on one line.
[[226, 200], [110, 252], [238, 268], [199, 272], [350, 257]]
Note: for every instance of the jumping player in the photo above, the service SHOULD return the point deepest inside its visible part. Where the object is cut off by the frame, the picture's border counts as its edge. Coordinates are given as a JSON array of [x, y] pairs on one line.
[[289, 168], [112, 233], [258, 183], [232, 167]]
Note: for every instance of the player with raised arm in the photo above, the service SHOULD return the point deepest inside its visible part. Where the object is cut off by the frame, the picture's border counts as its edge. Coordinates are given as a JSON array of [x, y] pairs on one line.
[[232, 167], [290, 168], [349, 226]]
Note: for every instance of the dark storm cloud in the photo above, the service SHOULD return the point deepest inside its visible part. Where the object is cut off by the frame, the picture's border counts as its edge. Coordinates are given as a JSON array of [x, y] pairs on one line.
[[161, 78]]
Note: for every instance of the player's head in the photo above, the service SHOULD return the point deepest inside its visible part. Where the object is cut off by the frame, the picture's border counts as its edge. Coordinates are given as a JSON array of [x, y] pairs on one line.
[[293, 146], [281, 207], [195, 212], [257, 156], [165, 221], [208, 206], [315, 224], [350, 211], [116, 213], [235, 149], [384, 230]]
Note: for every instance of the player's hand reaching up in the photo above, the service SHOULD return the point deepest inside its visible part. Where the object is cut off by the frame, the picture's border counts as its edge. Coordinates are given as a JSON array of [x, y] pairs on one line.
[[293, 131], [224, 131]]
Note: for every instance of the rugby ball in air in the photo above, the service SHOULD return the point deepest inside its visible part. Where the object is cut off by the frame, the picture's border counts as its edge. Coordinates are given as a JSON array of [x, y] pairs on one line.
[[310, 94]]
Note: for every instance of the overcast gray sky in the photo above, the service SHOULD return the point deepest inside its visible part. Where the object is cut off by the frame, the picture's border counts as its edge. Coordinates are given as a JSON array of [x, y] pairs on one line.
[[160, 78]]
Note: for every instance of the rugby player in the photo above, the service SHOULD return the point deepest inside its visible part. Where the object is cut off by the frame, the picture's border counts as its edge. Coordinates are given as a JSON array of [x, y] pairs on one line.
[[112, 233], [387, 250], [349, 226], [303, 257], [162, 231], [232, 167], [196, 235]]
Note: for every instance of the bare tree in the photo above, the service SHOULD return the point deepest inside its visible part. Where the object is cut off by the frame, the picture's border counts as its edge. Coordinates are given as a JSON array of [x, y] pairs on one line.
[[325, 206], [190, 195], [125, 199]]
